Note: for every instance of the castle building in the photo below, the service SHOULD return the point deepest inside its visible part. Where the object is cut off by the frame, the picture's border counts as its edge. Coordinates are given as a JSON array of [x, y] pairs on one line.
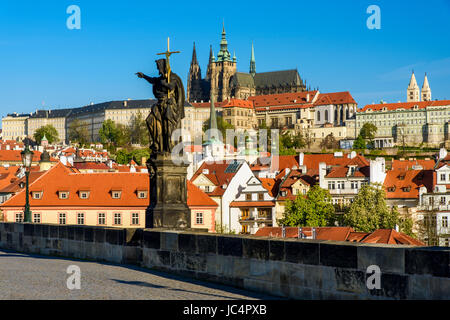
[[224, 82]]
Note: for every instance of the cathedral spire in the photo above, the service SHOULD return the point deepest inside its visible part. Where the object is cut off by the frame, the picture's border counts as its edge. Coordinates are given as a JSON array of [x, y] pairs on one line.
[[252, 62], [224, 54], [194, 56], [211, 54]]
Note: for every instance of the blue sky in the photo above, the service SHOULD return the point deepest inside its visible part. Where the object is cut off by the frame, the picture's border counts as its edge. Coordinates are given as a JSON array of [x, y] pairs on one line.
[[45, 65]]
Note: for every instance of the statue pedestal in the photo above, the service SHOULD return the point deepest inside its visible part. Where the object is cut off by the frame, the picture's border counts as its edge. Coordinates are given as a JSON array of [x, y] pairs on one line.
[[168, 195]]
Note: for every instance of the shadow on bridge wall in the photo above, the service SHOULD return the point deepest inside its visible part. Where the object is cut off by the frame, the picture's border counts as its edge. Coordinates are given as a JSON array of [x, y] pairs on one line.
[[299, 269]]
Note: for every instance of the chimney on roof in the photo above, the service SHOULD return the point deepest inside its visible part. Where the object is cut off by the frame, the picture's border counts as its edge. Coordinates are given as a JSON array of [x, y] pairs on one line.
[[442, 153], [307, 97], [301, 158]]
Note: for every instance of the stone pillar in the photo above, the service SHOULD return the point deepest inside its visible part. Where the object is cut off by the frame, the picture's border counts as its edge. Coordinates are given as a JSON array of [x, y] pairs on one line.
[[168, 194]]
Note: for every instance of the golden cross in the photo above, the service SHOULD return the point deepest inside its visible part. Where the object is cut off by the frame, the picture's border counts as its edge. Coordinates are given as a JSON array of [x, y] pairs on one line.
[[167, 54]]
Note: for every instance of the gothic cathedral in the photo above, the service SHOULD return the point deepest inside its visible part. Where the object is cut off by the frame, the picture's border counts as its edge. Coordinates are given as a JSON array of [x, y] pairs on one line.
[[223, 82]]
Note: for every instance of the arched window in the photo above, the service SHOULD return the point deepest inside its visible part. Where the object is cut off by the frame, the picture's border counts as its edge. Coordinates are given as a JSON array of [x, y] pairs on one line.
[[326, 115], [318, 115]]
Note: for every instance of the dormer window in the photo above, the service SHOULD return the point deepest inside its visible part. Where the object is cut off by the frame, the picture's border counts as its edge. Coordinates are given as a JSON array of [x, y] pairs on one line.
[[406, 189], [84, 194], [142, 194], [391, 189], [63, 194], [37, 195], [116, 194]]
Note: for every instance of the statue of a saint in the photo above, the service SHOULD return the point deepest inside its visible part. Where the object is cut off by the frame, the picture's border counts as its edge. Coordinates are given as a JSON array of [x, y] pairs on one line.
[[166, 115]]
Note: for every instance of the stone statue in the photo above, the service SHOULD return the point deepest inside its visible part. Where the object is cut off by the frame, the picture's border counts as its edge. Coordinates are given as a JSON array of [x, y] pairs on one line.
[[165, 116], [168, 191]]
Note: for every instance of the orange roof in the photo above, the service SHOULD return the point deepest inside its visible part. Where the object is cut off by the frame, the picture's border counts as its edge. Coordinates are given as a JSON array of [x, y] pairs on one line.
[[390, 236], [270, 185], [217, 175], [408, 164], [238, 103], [100, 185], [197, 198], [14, 185], [208, 104], [405, 105], [14, 156], [252, 204], [311, 161], [91, 165], [295, 99], [286, 185], [386, 236], [402, 183], [334, 98]]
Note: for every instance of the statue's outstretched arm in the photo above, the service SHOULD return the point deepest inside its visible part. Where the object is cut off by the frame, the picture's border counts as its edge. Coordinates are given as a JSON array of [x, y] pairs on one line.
[[149, 79]]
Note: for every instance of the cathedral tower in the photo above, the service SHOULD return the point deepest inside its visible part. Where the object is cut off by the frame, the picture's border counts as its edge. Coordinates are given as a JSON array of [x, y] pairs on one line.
[[426, 90], [413, 91], [222, 69], [194, 76]]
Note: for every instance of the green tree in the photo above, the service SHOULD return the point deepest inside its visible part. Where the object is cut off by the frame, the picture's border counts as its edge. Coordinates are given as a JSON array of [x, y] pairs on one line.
[[222, 126], [49, 131], [368, 131], [359, 143], [329, 142], [369, 211], [123, 156], [78, 132], [138, 154], [314, 210], [109, 133], [137, 130]]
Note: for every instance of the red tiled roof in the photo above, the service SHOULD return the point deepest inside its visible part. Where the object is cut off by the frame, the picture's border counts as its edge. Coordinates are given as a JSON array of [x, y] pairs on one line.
[[294, 99], [217, 175], [91, 165], [311, 161], [100, 186], [386, 236], [14, 156], [405, 105], [335, 98], [390, 236], [270, 185], [238, 103], [197, 198], [408, 164], [407, 183]]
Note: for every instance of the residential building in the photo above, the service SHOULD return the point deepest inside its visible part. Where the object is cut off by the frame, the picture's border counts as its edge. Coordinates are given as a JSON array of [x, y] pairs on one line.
[[203, 208], [254, 206]]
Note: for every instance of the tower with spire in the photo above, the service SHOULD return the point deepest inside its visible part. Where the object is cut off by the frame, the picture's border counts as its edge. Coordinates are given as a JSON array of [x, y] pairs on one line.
[[195, 74], [252, 63], [221, 70], [413, 91], [426, 90]]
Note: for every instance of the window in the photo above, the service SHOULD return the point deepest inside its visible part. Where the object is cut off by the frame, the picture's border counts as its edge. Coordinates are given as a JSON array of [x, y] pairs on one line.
[[261, 196], [102, 218], [304, 191], [142, 194], [207, 189], [245, 213], [117, 218], [37, 218], [37, 195], [444, 222], [248, 197], [318, 115], [294, 191], [19, 217], [135, 218], [244, 229], [63, 194], [84, 194], [62, 218], [199, 218], [442, 200], [330, 185], [80, 218], [116, 194], [443, 177]]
